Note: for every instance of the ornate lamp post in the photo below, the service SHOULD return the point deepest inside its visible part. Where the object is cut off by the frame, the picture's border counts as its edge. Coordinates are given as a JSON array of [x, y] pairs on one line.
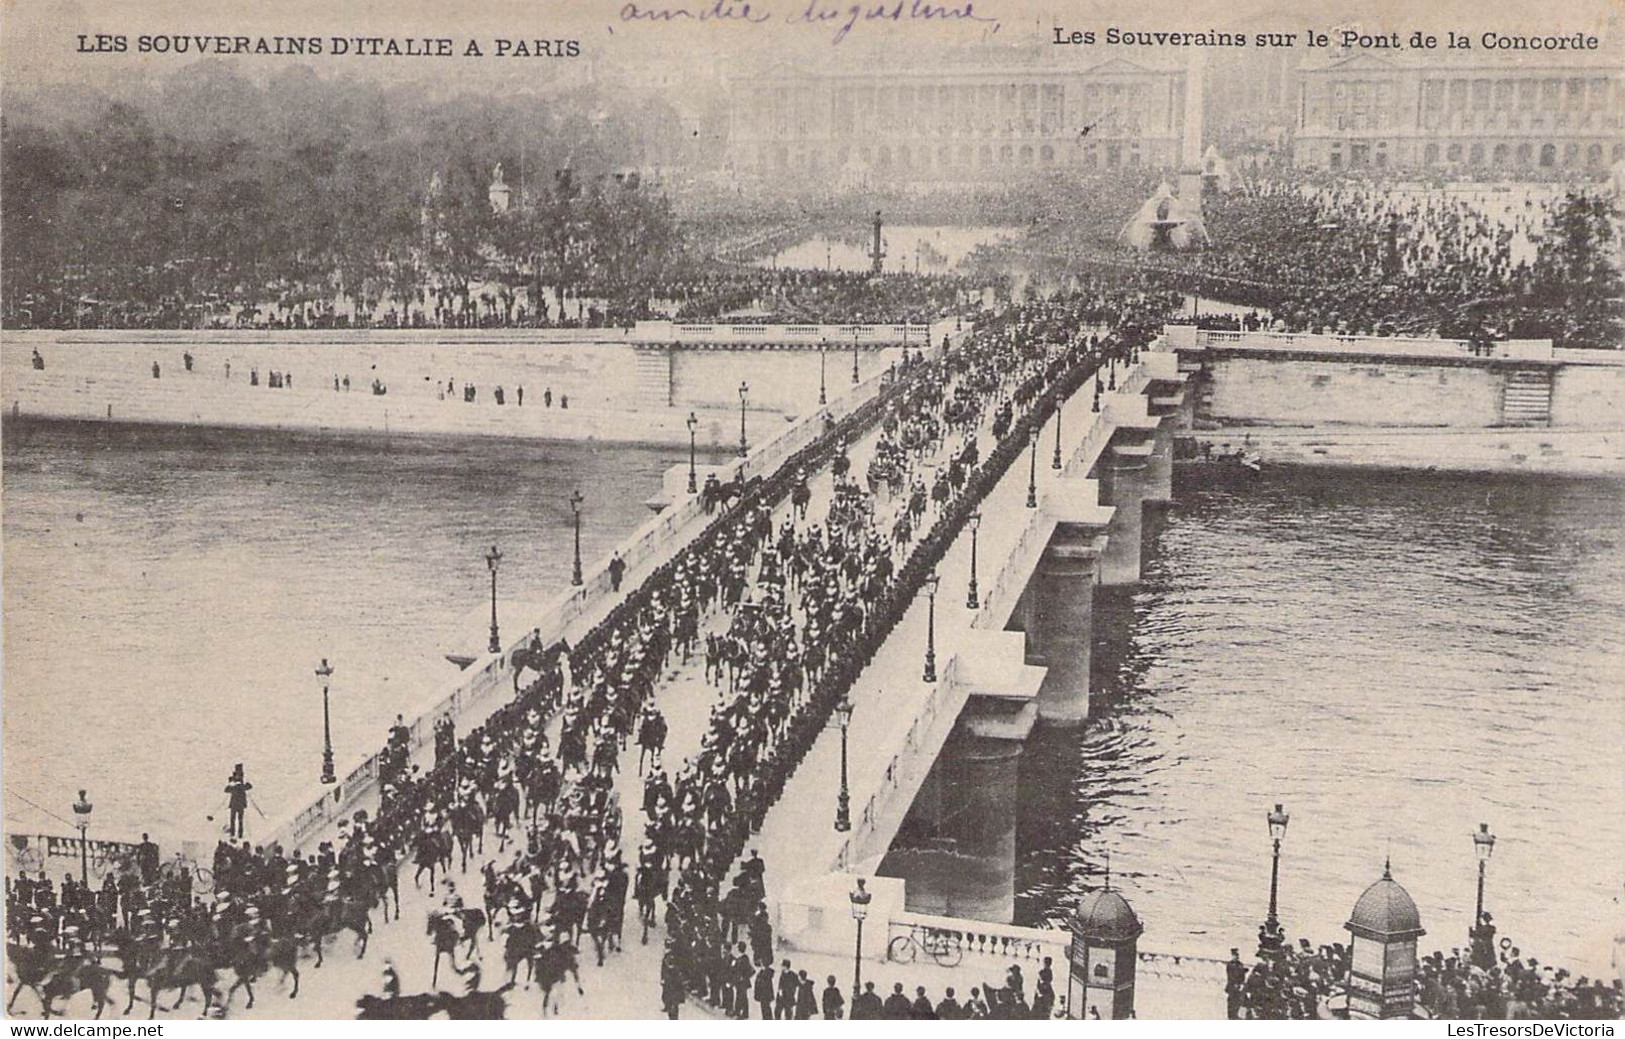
[[693, 477], [1269, 936], [575, 507], [493, 559], [744, 391], [854, 357], [1482, 933], [81, 819], [1055, 463], [1032, 473], [823, 392], [324, 678], [1095, 407], [931, 627], [860, 909], [972, 602], [1111, 373], [843, 803]]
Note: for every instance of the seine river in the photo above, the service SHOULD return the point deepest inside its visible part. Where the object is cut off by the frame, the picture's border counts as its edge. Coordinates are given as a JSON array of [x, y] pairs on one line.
[[169, 593], [1396, 658]]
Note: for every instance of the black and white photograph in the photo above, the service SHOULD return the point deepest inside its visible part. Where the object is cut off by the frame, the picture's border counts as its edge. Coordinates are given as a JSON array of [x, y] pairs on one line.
[[894, 510]]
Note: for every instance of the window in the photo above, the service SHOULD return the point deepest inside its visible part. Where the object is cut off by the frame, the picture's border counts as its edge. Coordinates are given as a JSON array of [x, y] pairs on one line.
[[1477, 156], [1548, 155], [1454, 154], [1046, 154], [1430, 154], [1499, 157]]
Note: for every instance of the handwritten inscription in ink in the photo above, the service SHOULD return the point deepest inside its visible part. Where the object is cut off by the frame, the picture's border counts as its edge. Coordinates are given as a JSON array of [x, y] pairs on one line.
[[837, 18]]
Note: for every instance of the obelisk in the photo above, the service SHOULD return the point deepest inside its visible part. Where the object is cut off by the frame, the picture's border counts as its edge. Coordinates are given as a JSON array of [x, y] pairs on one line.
[[1190, 151]]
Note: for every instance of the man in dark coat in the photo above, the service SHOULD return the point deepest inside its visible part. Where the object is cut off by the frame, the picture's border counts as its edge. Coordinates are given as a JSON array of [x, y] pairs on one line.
[[764, 991], [897, 1007], [789, 989], [237, 789], [834, 1002], [1235, 981], [866, 1005], [948, 1009]]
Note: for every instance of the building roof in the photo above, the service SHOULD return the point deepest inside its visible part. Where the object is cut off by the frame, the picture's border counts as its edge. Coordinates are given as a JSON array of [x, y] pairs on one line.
[[1385, 912], [1105, 916]]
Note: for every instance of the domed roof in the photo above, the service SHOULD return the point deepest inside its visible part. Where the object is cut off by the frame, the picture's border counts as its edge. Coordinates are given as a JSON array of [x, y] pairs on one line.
[[1385, 911], [1105, 916]]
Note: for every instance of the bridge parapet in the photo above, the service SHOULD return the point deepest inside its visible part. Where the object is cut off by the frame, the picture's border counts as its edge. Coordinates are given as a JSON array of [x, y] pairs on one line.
[[1189, 337]]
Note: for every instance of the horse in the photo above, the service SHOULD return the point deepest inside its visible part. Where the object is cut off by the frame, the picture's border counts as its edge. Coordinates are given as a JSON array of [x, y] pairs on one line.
[[181, 968], [326, 920], [444, 930], [468, 826], [254, 958], [554, 961], [75, 975], [32, 967], [800, 498]]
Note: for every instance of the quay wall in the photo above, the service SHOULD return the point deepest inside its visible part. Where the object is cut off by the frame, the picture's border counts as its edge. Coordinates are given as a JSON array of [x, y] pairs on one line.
[[1266, 391], [107, 375], [1384, 402]]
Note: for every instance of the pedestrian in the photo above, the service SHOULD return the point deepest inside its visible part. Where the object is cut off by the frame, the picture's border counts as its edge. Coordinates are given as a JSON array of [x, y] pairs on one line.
[[784, 1007], [806, 998], [764, 991], [617, 570], [834, 1002], [237, 788]]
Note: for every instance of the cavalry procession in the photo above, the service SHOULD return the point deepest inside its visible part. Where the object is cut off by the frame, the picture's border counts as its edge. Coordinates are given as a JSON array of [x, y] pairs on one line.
[[517, 832]]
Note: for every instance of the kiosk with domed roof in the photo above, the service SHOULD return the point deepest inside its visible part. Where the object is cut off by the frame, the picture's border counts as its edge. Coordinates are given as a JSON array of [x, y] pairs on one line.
[[1382, 956], [1105, 940]]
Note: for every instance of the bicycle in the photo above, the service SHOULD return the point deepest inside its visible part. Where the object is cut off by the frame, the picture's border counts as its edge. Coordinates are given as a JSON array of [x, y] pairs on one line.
[[202, 876], [941, 946]]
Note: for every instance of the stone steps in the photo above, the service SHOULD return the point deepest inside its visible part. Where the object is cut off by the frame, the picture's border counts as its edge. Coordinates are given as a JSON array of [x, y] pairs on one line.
[[1526, 398]]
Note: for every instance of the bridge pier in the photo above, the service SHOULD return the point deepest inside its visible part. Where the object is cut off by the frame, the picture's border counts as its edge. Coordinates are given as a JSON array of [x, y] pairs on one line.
[[1126, 482], [956, 851], [1063, 623]]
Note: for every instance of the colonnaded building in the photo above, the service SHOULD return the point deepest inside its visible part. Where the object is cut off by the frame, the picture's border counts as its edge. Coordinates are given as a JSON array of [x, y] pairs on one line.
[[1029, 110], [1471, 109]]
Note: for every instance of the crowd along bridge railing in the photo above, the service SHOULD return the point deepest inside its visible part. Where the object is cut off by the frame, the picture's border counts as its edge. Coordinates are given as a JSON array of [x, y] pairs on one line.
[[480, 689]]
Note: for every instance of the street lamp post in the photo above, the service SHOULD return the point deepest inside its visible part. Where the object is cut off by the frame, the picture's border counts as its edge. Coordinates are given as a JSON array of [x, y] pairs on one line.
[[1111, 373], [1032, 473], [972, 602], [81, 815], [693, 476], [931, 627], [823, 392], [843, 803], [575, 507], [324, 677], [1482, 933], [493, 559], [854, 357], [860, 909], [1055, 463], [1269, 936], [744, 392]]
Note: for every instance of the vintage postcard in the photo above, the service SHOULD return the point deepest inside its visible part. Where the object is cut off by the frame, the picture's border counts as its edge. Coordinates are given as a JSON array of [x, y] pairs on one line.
[[813, 509]]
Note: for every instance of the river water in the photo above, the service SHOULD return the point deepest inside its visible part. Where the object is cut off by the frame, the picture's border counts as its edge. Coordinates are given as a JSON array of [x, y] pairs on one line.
[[169, 592], [1396, 658]]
